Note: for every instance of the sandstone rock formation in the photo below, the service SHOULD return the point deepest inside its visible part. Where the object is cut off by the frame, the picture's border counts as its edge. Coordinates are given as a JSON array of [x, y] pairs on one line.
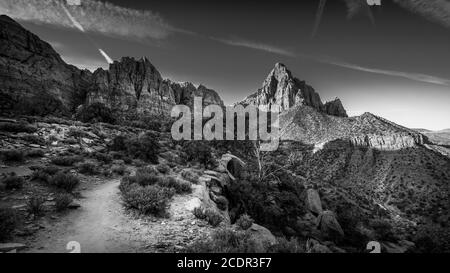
[[305, 124], [284, 90], [33, 77], [35, 80], [328, 224], [261, 238], [335, 108], [313, 202]]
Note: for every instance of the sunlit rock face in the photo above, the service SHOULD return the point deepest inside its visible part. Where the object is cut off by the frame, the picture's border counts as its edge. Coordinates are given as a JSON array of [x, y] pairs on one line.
[[132, 85], [34, 79], [282, 89]]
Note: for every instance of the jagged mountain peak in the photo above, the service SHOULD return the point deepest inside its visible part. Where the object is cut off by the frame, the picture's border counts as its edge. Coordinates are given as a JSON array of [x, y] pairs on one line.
[[282, 89], [280, 71], [335, 108]]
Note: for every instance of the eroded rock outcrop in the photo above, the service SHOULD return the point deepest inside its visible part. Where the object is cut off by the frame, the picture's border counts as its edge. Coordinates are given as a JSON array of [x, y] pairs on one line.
[[335, 108], [35, 80], [33, 77], [313, 202], [284, 90], [328, 225]]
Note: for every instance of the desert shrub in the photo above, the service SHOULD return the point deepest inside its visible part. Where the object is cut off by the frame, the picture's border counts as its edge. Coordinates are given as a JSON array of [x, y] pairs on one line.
[[127, 160], [8, 222], [96, 112], [66, 161], [62, 201], [189, 175], [224, 240], [107, 172], [44, 174], [77, 133], [103, 157], [222, 203], [145, 147], [13, 182], [34, 139], [147, 200], [200, 152], [178, 185], [119, 169], [213, 217], [88, 168], [65, 181], [431, 238], [287, 246], [116, 155], [51, 170], [12, 155], [145, 178], [383, 230], [36, 153], [118, 143], [163, 168], [35, 205], [153, 123], [244, 222], [199, 212], [71, 141], [350, 217], [273, 205], [19, 127]]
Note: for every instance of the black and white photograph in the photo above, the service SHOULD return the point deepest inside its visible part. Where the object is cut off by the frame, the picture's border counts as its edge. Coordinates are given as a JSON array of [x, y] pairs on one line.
[[251, 128]]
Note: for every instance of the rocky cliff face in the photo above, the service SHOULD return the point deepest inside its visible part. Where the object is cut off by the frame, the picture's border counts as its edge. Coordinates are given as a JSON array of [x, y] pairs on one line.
[[35, 80], [307, 125], [335, 108], [131, 86], [33, 77], [284, 90]]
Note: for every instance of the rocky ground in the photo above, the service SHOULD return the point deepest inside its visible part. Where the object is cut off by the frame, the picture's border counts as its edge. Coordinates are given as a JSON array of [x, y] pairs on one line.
[[97, 217]]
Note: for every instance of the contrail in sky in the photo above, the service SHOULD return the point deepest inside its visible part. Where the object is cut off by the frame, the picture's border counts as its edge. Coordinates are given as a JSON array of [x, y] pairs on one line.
[[318, 17], [80, 27]]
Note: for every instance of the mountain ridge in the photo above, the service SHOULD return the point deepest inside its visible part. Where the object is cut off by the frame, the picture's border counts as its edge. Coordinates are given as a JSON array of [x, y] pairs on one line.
[[36, 80]]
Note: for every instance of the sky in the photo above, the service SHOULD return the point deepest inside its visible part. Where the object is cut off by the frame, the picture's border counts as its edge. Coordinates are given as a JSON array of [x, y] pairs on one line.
[[391, 60]]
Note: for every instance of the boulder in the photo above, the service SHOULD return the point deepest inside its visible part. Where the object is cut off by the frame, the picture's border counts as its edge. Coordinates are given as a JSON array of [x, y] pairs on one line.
[[328, 225], [313, 202], [232, 165], [335, 108], [314, 246], [261, 238]]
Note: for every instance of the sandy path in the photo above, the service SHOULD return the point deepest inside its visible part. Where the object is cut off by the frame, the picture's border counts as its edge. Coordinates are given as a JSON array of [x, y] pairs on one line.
[[100, 225]]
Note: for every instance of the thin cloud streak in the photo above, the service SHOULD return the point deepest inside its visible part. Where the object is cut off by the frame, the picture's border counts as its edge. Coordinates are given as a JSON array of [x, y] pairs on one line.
[[107, 58], [288, 53], [437, 11], [411, 76], [80, 27], [256, 46], [92, 16]]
